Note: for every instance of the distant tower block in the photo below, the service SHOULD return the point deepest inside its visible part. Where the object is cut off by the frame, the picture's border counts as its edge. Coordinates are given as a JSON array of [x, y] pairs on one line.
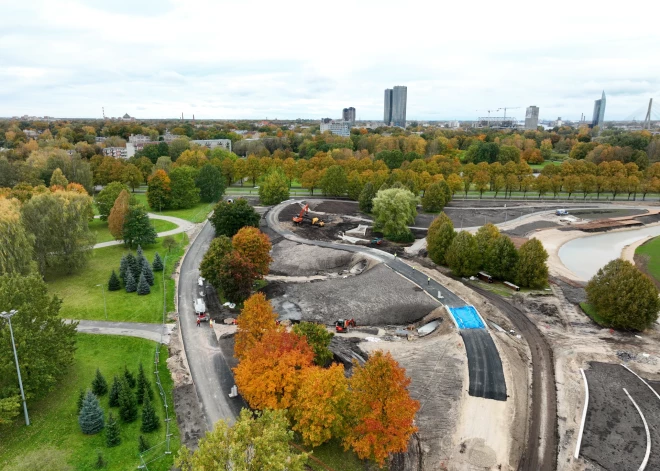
[[532, 118]]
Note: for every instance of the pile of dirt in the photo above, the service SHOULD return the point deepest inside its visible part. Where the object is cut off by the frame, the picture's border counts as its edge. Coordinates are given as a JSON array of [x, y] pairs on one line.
[[522, 231], [293, 259], [349, 208], [345, 350], [593, 214]]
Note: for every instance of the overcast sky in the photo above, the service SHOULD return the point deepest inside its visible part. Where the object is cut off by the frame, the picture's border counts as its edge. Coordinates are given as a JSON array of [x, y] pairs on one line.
[[290, 59]]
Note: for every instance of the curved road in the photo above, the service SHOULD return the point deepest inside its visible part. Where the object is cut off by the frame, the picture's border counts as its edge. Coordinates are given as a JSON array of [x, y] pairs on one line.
[[182, 224], [155, 332]]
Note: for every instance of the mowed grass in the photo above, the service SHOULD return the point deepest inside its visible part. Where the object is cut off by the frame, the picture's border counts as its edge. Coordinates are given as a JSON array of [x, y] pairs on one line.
[[197, 213], [82, 299], [652, 250], [332, 455], [590, 311], [54, 420], [100, 228]]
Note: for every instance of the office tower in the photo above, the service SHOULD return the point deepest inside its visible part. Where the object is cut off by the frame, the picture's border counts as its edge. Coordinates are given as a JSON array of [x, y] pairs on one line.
[[348, 114], [532, 118], [388, 107], [599, 111], [399, 102]]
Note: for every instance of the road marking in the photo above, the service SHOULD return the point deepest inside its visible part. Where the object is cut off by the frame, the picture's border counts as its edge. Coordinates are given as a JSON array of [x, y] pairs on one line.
[[648, 434], [584, 414], [642, 380]]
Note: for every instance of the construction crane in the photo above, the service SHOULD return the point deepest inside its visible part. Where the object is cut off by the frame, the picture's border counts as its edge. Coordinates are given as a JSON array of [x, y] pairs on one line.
[[508, 108]]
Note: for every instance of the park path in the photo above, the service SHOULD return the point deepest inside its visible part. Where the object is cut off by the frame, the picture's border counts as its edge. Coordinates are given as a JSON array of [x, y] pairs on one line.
[[155, 332], [182, 224]]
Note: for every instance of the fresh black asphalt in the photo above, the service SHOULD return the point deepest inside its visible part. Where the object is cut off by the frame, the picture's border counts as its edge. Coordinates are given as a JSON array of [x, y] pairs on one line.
[[484, 365]]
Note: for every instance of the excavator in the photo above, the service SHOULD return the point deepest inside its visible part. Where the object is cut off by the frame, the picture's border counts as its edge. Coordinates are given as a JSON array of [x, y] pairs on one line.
[[342, 325], [304, 216]]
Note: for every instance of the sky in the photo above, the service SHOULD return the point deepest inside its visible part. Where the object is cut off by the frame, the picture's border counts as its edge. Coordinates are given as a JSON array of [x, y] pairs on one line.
[[257, 59]]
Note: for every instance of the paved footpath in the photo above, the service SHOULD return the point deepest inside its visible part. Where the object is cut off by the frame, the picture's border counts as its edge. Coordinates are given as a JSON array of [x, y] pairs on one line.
[[182, 223], [129, 329]]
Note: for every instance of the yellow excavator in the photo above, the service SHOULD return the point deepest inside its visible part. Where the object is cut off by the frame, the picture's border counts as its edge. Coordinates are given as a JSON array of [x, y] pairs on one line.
[[304, 216]]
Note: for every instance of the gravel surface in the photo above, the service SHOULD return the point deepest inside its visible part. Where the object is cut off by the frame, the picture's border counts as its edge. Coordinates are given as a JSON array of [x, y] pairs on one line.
[[574, 294], [350, 208], [376, 297], [523, 230], [605, 213]]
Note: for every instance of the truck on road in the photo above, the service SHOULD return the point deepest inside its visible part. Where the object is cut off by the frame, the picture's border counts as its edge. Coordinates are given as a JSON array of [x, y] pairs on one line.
[[200, 310]]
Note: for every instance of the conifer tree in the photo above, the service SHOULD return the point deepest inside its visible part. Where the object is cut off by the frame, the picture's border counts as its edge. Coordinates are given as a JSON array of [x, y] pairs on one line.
[[112, 435], [81, 399], [115, 389], [100, 461], [139, 258], [143, 444], [148, 274], [91, 415], [99, 384], [150, 420], [130, 378], [132, 263], [130, 284], [113, 282], [158, 263], [141, 384], [128, 410], [123, 266], [143, 286]]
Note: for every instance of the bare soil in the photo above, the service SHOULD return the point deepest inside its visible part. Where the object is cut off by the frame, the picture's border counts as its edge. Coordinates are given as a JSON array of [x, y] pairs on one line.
[[523, 230]]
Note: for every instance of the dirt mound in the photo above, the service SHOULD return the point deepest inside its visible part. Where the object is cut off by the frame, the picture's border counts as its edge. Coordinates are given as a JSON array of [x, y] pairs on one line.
[[349, 208], [521, 231], [293, 259]]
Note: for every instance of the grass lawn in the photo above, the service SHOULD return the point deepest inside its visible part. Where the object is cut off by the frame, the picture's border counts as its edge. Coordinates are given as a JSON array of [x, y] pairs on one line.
[[652, 250], [545, 163], [54, 421], [591, 312], [500, 289], [82, 299], [195, 214], [100, 228], [333, 455]]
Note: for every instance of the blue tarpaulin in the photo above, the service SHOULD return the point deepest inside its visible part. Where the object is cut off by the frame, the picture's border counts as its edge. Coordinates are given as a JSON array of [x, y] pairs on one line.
[[467, 317]]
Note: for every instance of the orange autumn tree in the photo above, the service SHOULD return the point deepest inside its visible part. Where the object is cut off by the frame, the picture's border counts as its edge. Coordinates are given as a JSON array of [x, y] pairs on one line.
[[256, 318], [380, 411], [118, 215], [321, 404], [270, 373], [253, 244]]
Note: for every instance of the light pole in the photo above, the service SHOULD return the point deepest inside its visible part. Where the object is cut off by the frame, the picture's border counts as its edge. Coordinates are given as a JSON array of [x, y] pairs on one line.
[[8, 316], [105, 306]]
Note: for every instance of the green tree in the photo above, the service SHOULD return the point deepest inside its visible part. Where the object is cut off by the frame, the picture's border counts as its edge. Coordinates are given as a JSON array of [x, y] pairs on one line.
[[115, 389], [251, 444], [169, 243], [159, 191], [624, 296], [334, 181], [134, 176], [112, 432], [43, 340], [58, 179], [508, 154], [219, 248], [318, 338], [15, 242], [105, 200], [177, 147], [486, 237], [440, 236], [211, 183], [100, 462], [128, 410], [532, 271], [463, 255], [237, 274], [143, 286], [143, 386], [184, 192], [130, 285], [99, 384], [501, 259], [394, 210], [354, 186], [91, 418], [59, 223], [137, 227], [274, 188], [148, 274], [367, 196], [113, 282], [143, 444], [392, 158], [229, 218], [80, 400], [434, 198], [150, 420], [158, 263], [129, 377]]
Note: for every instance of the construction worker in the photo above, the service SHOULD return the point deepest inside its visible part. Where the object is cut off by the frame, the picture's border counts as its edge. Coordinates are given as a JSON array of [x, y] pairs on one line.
[[198, 322], [394, 255], [428, 281], [211, 323]]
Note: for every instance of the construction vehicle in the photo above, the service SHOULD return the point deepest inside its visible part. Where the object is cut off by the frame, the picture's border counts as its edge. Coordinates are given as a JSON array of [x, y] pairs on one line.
[[304, 216], [200, 310], [342, 325], [376, 241]]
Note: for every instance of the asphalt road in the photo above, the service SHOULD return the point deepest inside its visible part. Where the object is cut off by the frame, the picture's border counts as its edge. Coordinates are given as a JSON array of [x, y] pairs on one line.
[[182, 224], [484, 365], [209, 369], [155, 332]]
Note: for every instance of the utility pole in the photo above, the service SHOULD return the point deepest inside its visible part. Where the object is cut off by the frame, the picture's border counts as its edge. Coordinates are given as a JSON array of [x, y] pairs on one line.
[[105, 306], [8, 316]]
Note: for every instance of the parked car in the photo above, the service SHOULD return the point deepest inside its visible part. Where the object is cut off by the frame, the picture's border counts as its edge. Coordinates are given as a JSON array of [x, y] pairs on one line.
[[561, 212]]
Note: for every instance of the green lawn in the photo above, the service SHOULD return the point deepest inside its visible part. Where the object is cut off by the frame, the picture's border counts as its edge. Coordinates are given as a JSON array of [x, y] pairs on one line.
[[589, 310], [545, 163], [100, 228], [652, 250], [54, 418], [82, 299], [333, 455], [195, 214]]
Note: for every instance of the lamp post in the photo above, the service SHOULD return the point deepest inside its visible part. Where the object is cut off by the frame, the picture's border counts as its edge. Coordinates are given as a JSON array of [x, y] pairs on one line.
[[105, 306], [8, 316]]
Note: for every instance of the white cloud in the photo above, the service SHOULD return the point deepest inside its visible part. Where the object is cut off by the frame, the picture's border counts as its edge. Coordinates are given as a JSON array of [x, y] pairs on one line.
[[255, 59]]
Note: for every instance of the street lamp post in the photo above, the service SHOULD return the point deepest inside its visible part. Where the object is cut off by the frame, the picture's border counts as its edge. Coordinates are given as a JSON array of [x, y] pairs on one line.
[[8, 316], [105, 306]]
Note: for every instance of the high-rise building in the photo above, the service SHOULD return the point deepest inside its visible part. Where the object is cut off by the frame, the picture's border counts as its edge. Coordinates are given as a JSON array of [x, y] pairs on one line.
[[599, 111], [340, 128], [387, 118], [399, 102], [532, 118], [348, 114]]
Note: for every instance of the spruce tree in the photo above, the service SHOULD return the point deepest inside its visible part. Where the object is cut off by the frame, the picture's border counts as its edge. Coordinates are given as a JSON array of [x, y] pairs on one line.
[[115, 389], [114, 283], [130, 378], [131, 285], [141, 380], [139, 258], [99, 385], [91, 415], [148, 274], [132, 263], [112, 435], [128, 410], [143, 286], [123, 266], [143, 444], [81, 399], [150, 420], [100, 461], [158, 263]]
